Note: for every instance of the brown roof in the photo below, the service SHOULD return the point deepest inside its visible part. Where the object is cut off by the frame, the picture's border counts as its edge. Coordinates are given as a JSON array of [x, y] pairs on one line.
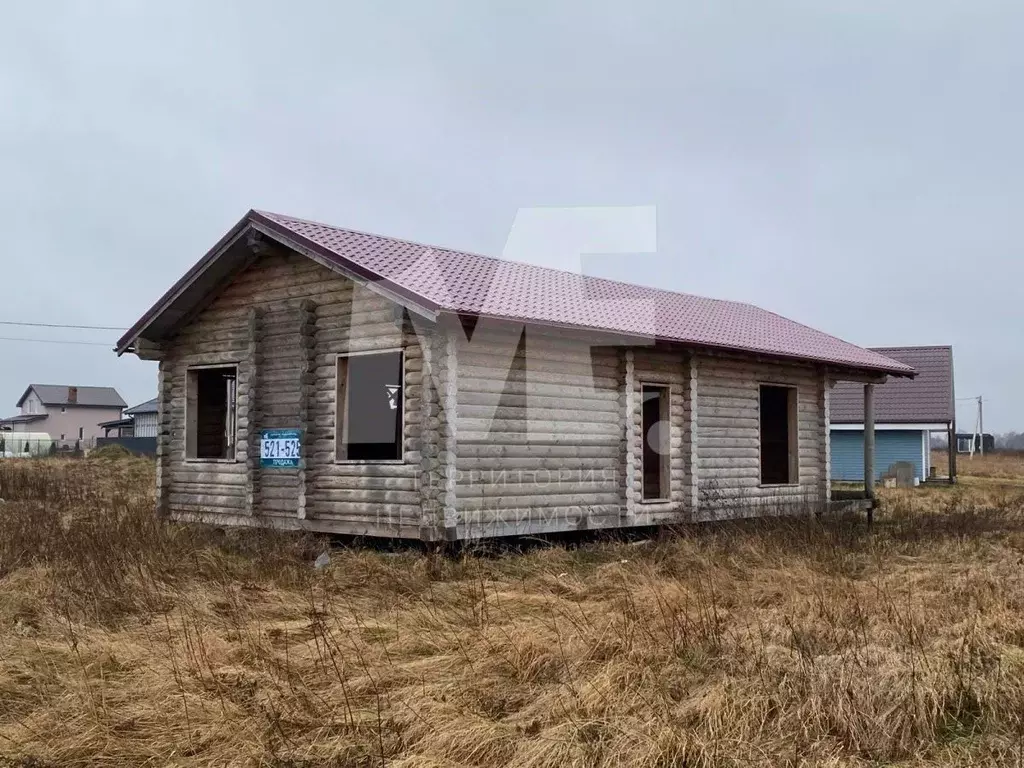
[[928, 398], [441, 280]]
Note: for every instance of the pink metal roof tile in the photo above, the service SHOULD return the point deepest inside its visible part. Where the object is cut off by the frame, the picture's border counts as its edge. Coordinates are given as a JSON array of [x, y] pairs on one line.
[[470, 283]]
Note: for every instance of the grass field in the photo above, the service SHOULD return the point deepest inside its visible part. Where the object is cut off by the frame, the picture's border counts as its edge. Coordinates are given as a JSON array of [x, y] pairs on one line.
[[125, 642]]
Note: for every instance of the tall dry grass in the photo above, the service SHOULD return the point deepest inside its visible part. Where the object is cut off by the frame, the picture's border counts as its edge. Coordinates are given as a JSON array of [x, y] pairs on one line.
[[1007, 466], [125, 641]]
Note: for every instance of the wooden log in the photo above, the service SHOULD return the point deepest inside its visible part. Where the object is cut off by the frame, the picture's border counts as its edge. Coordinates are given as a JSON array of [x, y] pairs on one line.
[[164, 479], [254, 366], [306, 473], [632, 437]]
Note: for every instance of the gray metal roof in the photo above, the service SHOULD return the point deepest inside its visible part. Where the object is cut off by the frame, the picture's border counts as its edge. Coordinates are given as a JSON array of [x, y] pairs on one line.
[[150, 406], [116, 423], [928, 398], [58, 394]]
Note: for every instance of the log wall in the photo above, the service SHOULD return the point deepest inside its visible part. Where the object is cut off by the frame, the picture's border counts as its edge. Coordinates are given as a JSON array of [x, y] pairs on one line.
[[506, 430], [540, 433], [728, 438], [283, 321]]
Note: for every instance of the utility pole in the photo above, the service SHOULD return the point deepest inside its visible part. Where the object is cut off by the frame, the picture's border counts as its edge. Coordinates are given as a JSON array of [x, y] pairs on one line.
[[981, 424]]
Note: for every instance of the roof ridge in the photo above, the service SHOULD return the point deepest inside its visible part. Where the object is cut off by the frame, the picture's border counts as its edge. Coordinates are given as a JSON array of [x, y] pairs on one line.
[[912, 346], [504, 260], [80, 386]]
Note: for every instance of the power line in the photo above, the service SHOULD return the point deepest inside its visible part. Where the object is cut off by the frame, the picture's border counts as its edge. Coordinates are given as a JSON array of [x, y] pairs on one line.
[[63, 325], [59, 341]]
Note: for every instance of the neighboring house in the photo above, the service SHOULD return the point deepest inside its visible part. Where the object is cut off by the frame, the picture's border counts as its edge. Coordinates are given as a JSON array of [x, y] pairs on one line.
[[137, 421], [964, 441], [136, 431], [322, 379], [144, 418], [907, 412], [65, 413], [117, 428]]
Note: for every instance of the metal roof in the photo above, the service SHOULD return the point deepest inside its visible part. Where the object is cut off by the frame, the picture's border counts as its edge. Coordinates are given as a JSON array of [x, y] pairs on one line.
[[150, 406], [928, 398], [441, 280], [116, 423], [23, 418], [58, 394]]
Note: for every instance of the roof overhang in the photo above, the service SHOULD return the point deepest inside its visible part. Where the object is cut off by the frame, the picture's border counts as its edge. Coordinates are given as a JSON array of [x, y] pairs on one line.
[[23, 396], [24, 418], [116, 423], [610, 337], [867, 375], [916, 426], [233, 253]]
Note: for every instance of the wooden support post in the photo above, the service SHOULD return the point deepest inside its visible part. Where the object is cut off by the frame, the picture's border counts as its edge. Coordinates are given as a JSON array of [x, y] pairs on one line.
[[447, 382], [253, 416], [430, 476], [869, 447], [163, 441], [952, 452], [826, 405], [307, 396], [692, 469]]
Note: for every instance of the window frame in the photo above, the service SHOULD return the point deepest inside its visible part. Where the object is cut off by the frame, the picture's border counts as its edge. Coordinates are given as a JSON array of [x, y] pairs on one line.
[[968, 440], [233, 458], [666, 456], [794, 435], [340, 408]]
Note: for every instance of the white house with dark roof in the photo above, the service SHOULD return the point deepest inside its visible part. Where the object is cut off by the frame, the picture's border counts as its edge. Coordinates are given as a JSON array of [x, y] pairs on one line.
[[65, 412], [907, 413], [138, 421], [323, 379]]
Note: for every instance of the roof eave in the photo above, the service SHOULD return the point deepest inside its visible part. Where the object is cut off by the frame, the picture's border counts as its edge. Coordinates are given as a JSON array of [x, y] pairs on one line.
[[125, 343], [644, 340], [24, 394], [258, 222]]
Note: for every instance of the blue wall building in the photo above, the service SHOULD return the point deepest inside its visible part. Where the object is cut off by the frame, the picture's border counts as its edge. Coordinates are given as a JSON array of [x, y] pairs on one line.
[[907, 412], [891, 445]]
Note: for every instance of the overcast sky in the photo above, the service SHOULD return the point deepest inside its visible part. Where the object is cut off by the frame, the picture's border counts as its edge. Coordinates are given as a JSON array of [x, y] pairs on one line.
[[856, 166]]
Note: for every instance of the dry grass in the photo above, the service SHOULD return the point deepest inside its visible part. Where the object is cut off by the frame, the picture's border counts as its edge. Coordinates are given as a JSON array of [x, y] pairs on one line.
[[1005, 467], [127, 642]]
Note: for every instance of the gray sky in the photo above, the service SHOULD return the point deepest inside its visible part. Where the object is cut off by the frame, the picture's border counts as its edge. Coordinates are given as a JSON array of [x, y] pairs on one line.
[[853, 165]]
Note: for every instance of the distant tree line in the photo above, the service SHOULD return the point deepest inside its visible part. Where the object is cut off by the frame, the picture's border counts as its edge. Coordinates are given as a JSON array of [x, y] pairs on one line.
[[1011, 441]]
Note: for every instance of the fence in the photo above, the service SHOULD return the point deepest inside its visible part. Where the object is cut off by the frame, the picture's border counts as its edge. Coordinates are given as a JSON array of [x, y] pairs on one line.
[[13, 446], [143, 446]]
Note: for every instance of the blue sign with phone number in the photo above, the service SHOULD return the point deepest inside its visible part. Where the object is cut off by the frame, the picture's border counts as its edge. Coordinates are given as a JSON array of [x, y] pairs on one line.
[[281, 448]]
